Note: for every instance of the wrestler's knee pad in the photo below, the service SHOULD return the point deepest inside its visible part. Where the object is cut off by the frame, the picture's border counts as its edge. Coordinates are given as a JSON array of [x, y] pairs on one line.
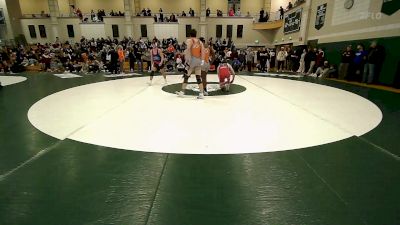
[[198, 79]]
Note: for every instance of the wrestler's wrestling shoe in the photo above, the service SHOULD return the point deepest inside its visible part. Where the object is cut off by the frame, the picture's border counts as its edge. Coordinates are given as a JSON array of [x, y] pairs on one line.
[[180, 93], [201, 96]]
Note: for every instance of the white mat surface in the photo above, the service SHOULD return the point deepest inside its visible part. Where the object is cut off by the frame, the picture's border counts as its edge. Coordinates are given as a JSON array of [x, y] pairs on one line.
[[271, 115], [67, 75], [279, 75], [9, 80], [121, 75]]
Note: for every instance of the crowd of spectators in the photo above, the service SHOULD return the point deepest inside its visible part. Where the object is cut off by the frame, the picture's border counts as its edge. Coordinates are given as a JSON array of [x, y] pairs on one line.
[[356, 65], [231, 12], [42, 14], [306, 61], [95, 55], [93, 16], [160, 17]]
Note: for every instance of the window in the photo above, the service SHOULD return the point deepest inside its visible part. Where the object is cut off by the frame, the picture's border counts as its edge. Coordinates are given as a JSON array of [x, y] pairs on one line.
[[70, 29], [2, 18], [234, 4], [32, 31], [115, 30], [42, 31], [239, 33], [219, 31], [229, 31], [143, 29], [188, 29]]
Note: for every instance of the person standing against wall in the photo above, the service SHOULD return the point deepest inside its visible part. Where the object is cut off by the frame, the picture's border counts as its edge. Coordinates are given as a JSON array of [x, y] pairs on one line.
[[263, 60], [261, 15], [359, 61], [132, 59], [161, 15], [290, 59], [113, 61], [320, 57], [281, 58], [374, 59], [191, 12], [312, 56], [302, 66], [249, 59], [231, 12], [272, 60], [208, 12], [347, 59], [281, 12]]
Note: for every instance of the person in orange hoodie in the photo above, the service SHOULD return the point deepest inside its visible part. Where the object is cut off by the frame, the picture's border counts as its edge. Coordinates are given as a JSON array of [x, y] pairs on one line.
[[121, 58]]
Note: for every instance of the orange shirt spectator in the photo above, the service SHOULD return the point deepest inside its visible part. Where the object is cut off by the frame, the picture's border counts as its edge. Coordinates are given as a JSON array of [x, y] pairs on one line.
[[171, 48], [121, 55]]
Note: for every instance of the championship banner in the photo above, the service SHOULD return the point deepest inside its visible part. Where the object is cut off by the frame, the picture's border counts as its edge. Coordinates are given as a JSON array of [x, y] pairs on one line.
[[292, 22], [320, 18], [390, 6]]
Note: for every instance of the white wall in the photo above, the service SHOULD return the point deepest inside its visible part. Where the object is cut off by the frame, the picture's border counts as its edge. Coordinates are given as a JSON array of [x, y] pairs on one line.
[[275, 4], [217, 4], [360, 25], [87, 5], [63, 32], [93, 30], [172, 6], [36, 22], [64, 7], [34, 6], [183, 21], [159, 30], [149, 22], [5, 30], [265, 37], [14, 13], [120, 21], [162, 31]]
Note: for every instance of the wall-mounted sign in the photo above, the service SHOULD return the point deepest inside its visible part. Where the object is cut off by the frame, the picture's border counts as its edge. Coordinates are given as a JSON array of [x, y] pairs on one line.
[[292, 22], [320, 18], [390, 6]]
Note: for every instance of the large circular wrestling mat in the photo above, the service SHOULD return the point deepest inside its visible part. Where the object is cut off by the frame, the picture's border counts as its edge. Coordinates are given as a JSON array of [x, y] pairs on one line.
[[271, 115]]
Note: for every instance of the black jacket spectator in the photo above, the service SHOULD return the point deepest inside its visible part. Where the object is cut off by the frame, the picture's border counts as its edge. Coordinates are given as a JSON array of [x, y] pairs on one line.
[[347, 56], [208, 12]]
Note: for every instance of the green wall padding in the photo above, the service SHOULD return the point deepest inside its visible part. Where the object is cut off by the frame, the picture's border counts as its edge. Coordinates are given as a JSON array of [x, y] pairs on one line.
[[392, 49]]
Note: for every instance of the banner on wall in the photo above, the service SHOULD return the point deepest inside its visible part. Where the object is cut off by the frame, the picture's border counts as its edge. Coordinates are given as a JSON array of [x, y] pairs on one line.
[[292, 22], [390, 6], [320, 18]]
